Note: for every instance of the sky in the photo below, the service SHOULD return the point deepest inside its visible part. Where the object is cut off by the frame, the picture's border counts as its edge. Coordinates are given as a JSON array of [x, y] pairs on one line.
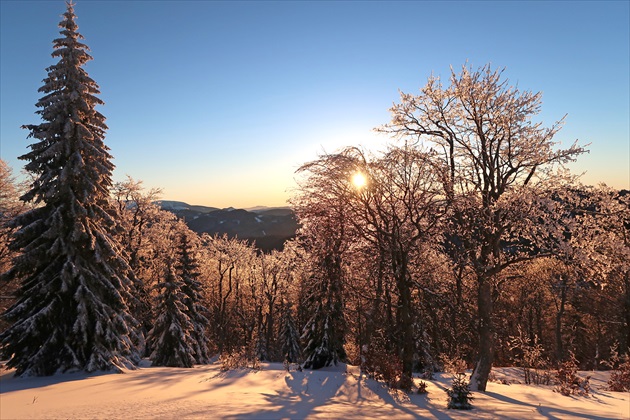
[[219, 103]]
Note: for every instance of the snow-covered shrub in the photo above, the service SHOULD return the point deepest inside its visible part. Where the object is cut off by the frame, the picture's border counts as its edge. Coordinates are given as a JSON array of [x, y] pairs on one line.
[[493, 378], [620, 379], [239, 359], [567, 381], [530, 357], [453, 364], [620, 376], [459, 395]]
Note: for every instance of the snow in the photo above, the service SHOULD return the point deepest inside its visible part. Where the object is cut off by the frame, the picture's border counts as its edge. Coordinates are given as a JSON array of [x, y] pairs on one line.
[[271, 393], [173, 205]]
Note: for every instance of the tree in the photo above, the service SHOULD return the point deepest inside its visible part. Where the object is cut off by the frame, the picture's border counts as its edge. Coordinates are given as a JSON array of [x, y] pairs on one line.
[[71, 312], [142, 236], [290, 337], [401, 208], [324, 333], [10, 207], [228, 263], [187, 267], [396, 208], [601, 244], [321, 209], [500, 168], [170, 337]]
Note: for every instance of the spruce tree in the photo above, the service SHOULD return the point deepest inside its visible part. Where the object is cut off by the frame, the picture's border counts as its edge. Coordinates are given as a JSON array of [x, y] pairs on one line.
[[324, 332], [188, 269], [290, 337], [71, 313], [170, 337]]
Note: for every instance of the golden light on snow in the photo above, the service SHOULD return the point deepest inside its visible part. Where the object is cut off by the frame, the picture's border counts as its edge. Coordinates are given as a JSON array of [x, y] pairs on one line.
[[359, 180]]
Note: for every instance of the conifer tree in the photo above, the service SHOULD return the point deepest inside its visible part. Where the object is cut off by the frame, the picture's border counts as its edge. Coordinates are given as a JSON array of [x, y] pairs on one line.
[[188, 268], [170, 337], [71, 312], [324, 332], [290, 337]]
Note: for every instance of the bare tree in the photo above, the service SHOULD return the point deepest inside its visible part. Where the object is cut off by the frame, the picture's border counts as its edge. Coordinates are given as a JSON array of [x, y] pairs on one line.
[[10, 206], [393, 204], [500, 164], [399, 210]]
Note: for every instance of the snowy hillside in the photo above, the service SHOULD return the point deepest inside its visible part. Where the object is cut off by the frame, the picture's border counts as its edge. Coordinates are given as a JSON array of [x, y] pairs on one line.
[[272, 393]]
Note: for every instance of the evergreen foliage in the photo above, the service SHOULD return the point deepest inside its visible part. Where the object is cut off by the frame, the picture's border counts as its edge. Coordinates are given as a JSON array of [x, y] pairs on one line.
[[324, 332], [290, 337], [187, 268], [170, 337], [71, 313], [459, 395]]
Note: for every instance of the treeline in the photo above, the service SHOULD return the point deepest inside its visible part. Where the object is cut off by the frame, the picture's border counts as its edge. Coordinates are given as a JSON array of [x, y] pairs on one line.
[[360, 272]]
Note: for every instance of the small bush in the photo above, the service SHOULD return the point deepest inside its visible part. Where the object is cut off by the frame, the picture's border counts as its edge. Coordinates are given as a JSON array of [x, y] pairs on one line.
[[404, 383], [427, 374], [459, 395], [453, 364], [567, 381], [422, 388], [620, 376], [239, 359], [620, 379], [530, 357], [288, 366]]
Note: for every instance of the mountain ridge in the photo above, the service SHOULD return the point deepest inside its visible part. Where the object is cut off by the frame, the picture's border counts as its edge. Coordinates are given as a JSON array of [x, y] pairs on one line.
[[267, 228]]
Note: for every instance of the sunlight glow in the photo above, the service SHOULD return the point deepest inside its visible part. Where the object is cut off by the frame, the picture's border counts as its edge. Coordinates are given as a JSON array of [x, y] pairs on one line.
[[359, 180]]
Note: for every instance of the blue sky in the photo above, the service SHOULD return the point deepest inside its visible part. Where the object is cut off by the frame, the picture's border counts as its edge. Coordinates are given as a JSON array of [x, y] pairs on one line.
[[218, 103]]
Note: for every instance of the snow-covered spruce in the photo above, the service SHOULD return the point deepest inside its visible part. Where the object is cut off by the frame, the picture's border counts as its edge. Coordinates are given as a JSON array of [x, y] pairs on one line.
[[291, 350], [459, 395], [187, 267], [170, 337], [324, 332], [71, 311]]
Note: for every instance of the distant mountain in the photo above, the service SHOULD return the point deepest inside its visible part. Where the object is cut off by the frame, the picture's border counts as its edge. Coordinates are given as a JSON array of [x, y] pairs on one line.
[[267, 227], [175, 206]]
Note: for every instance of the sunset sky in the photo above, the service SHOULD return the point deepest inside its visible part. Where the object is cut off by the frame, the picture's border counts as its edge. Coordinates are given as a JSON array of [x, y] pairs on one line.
[[218, 103]]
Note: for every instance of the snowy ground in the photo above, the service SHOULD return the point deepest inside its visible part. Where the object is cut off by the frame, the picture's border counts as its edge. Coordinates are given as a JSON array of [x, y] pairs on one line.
[[272, 393]]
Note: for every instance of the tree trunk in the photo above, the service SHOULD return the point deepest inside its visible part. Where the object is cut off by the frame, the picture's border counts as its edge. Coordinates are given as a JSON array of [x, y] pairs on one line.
[[405, 314], [479, 378], [406, 326], [625, 347], [559, 316]]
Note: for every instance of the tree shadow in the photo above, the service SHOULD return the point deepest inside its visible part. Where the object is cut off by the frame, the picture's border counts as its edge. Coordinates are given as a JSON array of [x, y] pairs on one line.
[[10, 383], [552, 413], [326, 393], [307, 391]]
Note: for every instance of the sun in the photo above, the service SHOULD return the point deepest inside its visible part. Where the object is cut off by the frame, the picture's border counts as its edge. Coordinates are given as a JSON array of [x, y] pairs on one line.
[[359, 180]]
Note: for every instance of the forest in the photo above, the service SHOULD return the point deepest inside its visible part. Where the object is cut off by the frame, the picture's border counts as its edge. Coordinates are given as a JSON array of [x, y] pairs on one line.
[[463, 244]]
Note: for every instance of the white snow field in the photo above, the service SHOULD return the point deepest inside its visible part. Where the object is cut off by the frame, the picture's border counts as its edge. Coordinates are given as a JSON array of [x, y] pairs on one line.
[[340, 392]]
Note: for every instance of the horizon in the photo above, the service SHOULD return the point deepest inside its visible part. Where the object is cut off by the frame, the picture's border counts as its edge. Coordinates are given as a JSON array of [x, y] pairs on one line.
[[218, 103]]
